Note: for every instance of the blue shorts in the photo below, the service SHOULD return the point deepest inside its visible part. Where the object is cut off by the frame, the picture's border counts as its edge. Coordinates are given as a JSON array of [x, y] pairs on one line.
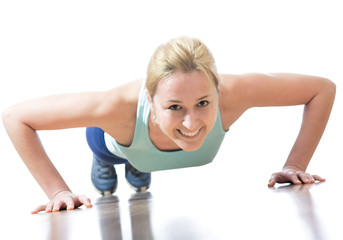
[[96, 142]]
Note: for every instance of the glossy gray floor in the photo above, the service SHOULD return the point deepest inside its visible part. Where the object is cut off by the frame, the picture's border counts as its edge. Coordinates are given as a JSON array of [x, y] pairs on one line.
[[287, 212]]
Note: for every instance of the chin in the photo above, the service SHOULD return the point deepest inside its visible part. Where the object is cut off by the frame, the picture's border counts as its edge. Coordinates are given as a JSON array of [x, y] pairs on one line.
[[188, 147]]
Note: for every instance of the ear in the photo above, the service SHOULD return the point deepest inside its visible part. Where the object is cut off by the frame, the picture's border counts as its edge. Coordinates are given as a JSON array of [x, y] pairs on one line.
[[149, 99]]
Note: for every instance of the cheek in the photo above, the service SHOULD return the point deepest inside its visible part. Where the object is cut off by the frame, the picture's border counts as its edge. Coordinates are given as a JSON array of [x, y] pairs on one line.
[[209, 115], [210, 118], [167, 122]]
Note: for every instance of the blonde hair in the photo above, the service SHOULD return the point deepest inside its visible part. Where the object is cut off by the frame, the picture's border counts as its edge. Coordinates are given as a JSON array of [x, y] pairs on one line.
[[182, 54]]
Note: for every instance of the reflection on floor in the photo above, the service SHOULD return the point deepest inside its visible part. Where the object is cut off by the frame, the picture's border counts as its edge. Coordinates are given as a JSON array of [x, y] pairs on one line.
[[109, 217], [311, 211]]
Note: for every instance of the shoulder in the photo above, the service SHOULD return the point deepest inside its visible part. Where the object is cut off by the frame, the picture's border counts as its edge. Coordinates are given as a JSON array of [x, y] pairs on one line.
[[120, 103], [235, 89], [237, 93], [231, 102]]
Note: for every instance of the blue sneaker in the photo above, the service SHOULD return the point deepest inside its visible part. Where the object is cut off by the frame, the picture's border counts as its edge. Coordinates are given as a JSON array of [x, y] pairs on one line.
[[139, 181], [104, 177]]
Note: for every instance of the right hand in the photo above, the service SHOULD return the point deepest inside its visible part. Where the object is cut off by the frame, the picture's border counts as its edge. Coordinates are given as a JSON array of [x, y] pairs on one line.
[[64, 200]]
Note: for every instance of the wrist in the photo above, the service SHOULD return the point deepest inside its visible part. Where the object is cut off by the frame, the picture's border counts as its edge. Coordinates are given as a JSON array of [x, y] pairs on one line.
[[292, 167], [58, 192]]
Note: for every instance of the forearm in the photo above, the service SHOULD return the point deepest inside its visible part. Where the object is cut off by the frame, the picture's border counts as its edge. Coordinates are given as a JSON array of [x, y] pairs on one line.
[[28, 145], [315, 118]]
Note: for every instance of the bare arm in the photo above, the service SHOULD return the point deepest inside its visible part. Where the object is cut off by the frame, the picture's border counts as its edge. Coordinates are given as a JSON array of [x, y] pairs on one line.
[[57, 112], [316, 94]]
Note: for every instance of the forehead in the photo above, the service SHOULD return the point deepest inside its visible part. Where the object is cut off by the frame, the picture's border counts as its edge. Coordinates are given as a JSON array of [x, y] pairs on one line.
[[184, 85]]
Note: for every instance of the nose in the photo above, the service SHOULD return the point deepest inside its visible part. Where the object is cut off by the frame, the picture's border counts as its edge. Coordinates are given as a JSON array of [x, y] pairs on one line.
[[190, 121]]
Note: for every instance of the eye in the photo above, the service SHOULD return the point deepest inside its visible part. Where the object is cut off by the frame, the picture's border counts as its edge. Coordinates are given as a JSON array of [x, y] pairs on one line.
[[203, 103], [174, 107]]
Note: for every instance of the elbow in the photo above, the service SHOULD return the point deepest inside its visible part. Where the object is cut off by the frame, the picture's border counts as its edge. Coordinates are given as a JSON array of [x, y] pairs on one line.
[[333, 85], [327, 92], [10, 118], [330, 89], [5, 116]]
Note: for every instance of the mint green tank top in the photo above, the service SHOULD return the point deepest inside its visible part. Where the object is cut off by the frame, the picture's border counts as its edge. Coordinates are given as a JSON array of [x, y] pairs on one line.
[[144, 156]]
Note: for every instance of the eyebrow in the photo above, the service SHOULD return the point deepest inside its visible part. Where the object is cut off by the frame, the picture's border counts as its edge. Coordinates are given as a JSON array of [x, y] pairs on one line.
[[178, 101]]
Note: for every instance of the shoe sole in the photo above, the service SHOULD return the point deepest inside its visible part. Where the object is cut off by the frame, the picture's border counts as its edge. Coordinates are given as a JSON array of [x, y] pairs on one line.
[[106, 193], [136, 189]]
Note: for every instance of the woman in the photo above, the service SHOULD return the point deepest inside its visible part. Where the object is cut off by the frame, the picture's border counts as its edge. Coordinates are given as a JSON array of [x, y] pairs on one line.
[[176, 118]]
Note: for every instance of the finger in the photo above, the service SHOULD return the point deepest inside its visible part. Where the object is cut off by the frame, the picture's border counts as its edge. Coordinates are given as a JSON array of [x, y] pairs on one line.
[[38, 209], [58, 206], [272, 181], [85, 201], [294, 178], [312, 180], [70, 204], [306, 178], [318, 178], [49, 207]]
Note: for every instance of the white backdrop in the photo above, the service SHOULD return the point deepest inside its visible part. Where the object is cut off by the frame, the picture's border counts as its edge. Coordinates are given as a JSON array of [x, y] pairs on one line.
[[49, 47]]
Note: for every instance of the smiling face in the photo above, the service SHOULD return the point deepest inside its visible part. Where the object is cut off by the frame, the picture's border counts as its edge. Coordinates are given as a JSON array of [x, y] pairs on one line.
[[185, 105]]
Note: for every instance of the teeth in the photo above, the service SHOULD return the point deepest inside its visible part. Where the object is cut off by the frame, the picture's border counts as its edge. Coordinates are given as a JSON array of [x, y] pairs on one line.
[[190, 134]]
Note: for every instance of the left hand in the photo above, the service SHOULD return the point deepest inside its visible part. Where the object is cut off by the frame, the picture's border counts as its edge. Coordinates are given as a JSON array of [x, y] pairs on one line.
[[288, 175]]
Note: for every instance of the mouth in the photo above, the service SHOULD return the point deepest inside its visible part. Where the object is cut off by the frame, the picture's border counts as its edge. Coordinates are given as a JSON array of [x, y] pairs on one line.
[[189, 134]]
